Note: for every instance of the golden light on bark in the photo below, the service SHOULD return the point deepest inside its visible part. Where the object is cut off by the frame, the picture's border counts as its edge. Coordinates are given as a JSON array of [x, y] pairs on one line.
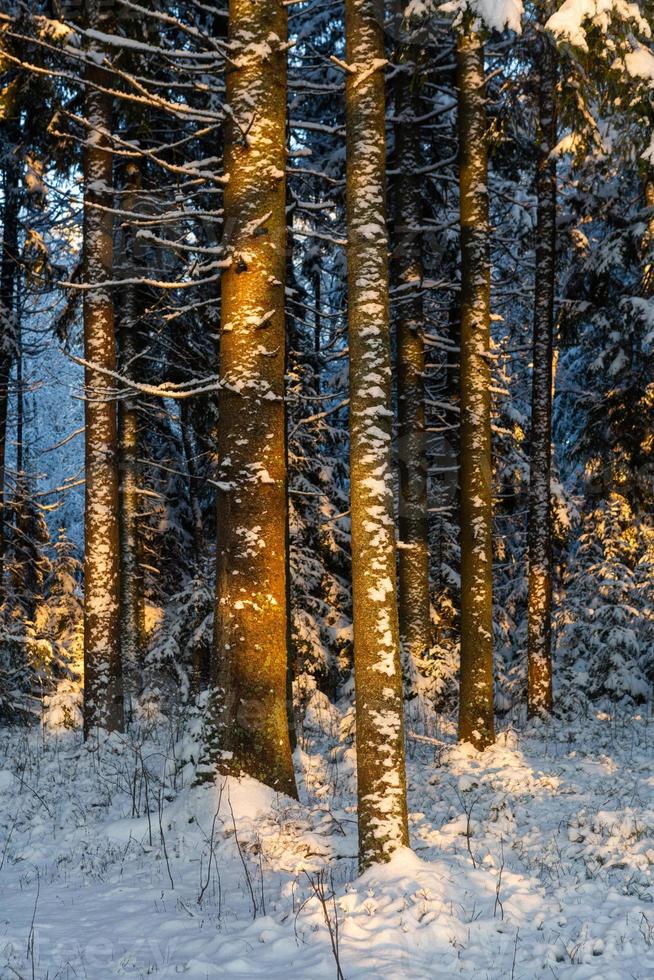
[[476, 706], [103, 693], [539, 684], [381, 779], [250, 709]]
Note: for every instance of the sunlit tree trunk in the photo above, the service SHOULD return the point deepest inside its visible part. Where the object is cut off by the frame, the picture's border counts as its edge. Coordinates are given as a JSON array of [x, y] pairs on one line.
[[476, 721], [103, 691], [648, 238], [539, 642], [249, 717], [8, 276], [378, 679], [128, 429], [414, 601], [291, 344]]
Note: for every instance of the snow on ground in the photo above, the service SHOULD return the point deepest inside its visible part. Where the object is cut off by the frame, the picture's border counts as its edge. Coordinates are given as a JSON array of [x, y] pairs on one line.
[[533, 859]]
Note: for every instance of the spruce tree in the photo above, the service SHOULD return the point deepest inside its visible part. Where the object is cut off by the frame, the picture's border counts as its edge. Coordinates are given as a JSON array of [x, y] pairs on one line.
[[128, 436], [11, 171], [250, 706], [476, 720], [539, 640], [382, 812], [413, 581], [103, 691]]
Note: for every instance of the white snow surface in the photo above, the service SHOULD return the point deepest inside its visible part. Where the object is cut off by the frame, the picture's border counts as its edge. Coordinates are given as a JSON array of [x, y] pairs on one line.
[[533, 859], [571, 20], [640, 63], [496, 15]]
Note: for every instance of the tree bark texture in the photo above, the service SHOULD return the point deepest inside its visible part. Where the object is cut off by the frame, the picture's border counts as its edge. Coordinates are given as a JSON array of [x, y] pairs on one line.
[[103, 690], [648, 237], [539, 635], [128, 429], [414, 598], [476, 717], [249, 716], [8, 276], [378, 678]]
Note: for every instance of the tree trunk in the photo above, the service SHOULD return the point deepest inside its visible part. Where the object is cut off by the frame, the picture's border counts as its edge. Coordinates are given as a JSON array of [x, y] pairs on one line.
[[185, 426], [8, 273], [20, 402], [23, 558], [103, 689], [291, 344], [414, 599], [378, 678], [539, 641], [317, 319], [249, 714], [476, 722], [128, 428], [648, 238], [201, 652]]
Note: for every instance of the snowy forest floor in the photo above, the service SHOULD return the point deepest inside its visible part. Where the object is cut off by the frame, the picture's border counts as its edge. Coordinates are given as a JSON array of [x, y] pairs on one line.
[[533, 859]]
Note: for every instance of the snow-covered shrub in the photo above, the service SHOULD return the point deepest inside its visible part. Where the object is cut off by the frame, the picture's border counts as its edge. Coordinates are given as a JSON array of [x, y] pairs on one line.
[[605, 643], [43, 646], [63, 708], [177, 656]]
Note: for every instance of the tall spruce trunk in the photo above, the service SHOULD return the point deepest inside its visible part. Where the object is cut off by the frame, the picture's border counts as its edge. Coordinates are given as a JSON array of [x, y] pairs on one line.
[[8, 277], [128, 442], [476, 720], [103, 688], [381, 776], [414, 599], [249, 715], [647, 244], [539, 636]]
